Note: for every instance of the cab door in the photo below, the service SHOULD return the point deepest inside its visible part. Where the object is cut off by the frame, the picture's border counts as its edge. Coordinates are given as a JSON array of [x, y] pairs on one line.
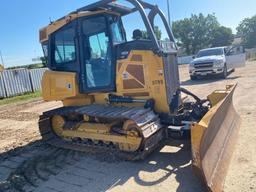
[[236, 57], [97, 64]]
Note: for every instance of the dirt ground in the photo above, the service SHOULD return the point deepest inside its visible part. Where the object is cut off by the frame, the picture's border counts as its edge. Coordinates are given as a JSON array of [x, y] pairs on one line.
[[167, 169]]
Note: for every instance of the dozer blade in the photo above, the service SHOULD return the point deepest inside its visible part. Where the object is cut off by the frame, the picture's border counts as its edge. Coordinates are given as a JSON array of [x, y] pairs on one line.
[[213, 139]]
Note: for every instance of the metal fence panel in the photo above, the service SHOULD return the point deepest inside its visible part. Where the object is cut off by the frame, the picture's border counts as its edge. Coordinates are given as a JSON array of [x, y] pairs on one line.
[[36, 76], [250, 53], [2, 89], [185, 59], [16, 82]]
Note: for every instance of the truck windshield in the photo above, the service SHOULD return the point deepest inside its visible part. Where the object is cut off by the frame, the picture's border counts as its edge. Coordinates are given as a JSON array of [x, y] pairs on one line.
[[210, 52]]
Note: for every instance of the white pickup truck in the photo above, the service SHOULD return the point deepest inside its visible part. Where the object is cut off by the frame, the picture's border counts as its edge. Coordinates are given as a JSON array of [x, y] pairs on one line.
[[217, 61]]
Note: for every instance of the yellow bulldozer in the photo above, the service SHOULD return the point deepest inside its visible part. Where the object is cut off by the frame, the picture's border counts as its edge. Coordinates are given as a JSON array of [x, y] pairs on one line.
[[124, 96]]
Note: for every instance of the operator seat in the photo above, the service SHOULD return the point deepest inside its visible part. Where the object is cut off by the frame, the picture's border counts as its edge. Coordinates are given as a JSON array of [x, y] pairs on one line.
[[137, 34]]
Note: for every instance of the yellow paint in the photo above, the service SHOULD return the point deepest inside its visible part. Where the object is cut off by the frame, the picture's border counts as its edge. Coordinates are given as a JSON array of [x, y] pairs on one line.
[[94, 128], [217, 96], [103, 137], [101, 132], [86, 118], [51, 28], [197, 132], [58, 123], [78, 101], [96, 132], [100, 98], [59, 85], [198, 129], [63, 85], [153, 72]]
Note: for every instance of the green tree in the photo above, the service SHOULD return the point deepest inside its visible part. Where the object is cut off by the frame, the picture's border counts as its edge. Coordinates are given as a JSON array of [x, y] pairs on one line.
[[157, 31], [183, 32], [44, 61], [247, 29], [222, 36], [199, 31]]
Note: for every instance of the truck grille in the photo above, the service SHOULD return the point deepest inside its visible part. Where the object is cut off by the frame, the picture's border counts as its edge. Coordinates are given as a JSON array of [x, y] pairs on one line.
[[203, 65]]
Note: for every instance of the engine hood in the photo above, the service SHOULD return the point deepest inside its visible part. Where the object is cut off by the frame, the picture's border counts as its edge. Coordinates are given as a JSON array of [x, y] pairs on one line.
[[208, 59]]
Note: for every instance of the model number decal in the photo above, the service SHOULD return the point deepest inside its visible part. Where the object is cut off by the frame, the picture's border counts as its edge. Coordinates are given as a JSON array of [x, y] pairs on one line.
[[158, 82], [125, 75]]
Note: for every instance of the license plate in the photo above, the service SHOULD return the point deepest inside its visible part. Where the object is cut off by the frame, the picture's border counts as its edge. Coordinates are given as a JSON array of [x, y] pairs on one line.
[[204, 74]]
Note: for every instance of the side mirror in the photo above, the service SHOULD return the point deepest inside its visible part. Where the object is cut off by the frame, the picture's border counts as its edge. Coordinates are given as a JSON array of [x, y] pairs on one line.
[[193, 57]]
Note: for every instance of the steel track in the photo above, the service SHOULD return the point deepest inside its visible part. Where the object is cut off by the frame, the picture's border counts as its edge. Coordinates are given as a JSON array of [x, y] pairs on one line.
[[138, 114]]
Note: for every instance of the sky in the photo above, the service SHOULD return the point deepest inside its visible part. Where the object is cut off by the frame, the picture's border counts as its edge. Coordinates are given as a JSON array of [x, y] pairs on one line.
[[20, 20]]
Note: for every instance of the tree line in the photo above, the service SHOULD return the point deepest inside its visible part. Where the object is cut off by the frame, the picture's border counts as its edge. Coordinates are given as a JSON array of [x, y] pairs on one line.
[[200, 31]]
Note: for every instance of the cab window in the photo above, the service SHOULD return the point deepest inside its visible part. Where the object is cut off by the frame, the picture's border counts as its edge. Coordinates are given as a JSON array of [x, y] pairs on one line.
[[64, 42], [97, 46], [117, 34]]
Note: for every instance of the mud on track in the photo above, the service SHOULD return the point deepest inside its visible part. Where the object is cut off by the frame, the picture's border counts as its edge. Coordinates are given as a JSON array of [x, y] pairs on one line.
[[26, 164]]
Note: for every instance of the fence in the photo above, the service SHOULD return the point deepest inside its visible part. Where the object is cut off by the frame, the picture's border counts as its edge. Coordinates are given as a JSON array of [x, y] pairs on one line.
[[250, 54], [185, 59], [20, 81], [2, 91], [36, 76]]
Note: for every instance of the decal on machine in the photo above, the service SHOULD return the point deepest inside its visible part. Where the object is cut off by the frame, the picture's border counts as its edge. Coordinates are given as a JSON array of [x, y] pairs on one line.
[[125, 75], [69, 86], [158, 82]]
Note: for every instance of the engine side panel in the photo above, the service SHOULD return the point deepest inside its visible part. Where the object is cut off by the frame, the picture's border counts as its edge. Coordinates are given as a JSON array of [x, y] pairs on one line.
[[141, 75], [63, 86], [59, 85]]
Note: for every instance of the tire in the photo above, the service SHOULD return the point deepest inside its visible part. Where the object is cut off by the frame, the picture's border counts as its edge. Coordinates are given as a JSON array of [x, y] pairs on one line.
[[225, 72], [192, 77]]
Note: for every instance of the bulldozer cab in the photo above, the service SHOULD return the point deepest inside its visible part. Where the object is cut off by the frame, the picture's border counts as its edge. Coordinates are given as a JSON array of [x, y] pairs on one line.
[[91, 44]]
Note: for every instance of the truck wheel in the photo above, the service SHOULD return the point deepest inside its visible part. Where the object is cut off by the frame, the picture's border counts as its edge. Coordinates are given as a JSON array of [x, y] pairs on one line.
[[192, 77], [225, 72]]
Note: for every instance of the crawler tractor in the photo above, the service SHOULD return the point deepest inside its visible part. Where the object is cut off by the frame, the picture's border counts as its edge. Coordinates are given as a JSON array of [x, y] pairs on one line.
[[124, 96]]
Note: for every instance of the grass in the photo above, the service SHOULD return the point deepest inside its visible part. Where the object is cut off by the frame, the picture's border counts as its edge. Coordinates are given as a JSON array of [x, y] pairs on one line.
[[20, 98]]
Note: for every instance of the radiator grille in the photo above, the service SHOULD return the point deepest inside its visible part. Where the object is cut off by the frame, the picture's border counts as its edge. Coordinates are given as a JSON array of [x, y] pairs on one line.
[[172, 79]]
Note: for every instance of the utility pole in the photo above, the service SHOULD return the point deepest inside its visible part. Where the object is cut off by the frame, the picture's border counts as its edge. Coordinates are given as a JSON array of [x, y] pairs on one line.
[[2, 58], [169, 14]]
